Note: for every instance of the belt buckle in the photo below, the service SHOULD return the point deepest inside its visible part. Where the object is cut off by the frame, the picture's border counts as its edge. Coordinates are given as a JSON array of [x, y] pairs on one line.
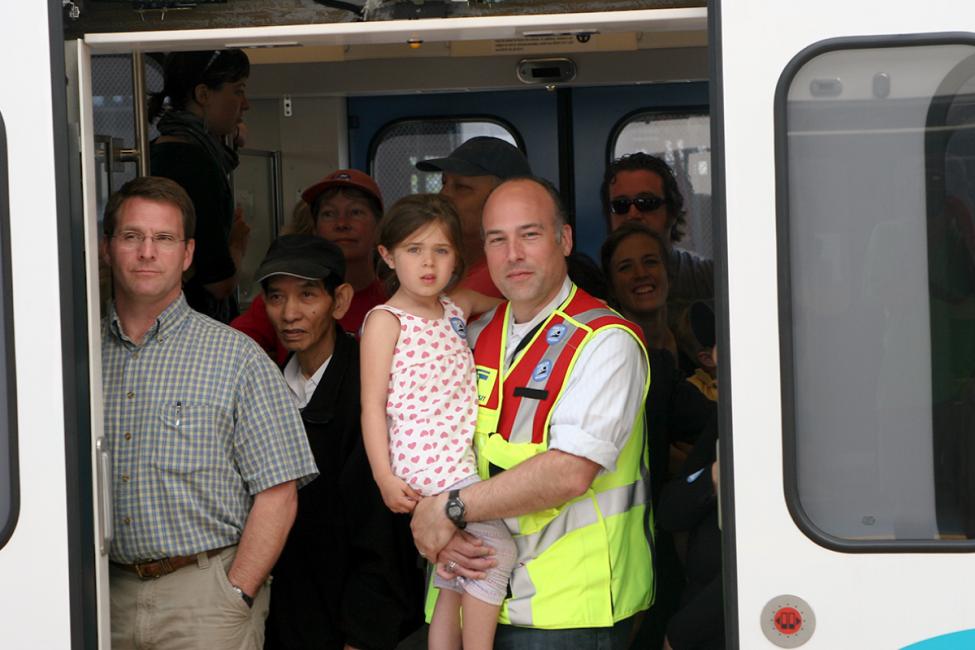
[[154, 569]]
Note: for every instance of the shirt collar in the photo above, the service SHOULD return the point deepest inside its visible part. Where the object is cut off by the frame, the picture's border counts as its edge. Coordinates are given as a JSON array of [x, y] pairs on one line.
[[166, 323], [545, 311], [302, 388]]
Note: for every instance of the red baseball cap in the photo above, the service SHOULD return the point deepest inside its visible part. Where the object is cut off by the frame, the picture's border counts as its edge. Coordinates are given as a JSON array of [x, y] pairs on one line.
[[344, 178]]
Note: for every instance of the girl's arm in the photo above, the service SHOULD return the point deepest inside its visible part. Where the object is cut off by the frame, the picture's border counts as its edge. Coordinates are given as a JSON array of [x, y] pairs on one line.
[[472, 302], [379, 335]]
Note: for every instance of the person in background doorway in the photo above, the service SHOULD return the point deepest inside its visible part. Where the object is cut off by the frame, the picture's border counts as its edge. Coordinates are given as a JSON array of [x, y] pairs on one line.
[[207, 446], [641, 187], [201, 104], [689, 503], [345, 206], [470, 173], [348, 576], [635, 262]]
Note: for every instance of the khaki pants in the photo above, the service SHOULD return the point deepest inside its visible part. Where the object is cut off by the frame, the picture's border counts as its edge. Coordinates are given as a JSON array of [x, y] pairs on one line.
[[194, 607]]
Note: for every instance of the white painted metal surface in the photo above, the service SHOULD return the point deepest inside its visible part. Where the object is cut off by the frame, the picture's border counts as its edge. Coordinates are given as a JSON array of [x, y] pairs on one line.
[[860, 600], [400, 31], [34, 607], [78, 68]]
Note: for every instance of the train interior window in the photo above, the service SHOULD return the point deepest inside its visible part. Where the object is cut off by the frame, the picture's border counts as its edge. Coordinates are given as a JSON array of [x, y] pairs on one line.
[[877, 243], [684, 141], [9, 484], [399, 146]]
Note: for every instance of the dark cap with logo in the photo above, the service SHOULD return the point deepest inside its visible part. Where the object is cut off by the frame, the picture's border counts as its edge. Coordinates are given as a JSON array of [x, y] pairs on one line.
[[302, 256], [481, 156]]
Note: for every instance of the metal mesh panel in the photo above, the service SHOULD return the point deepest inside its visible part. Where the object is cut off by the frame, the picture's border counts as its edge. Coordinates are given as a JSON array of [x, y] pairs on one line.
[[403, 144], [113, 112], [684, 141]]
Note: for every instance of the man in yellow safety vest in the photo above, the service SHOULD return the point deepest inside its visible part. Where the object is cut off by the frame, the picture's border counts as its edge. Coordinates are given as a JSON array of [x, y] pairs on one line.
[[560, 441]]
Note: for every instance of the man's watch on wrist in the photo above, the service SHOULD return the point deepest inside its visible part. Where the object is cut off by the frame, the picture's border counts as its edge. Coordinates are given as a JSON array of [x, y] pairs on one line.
[[249, 600], [455, 509]]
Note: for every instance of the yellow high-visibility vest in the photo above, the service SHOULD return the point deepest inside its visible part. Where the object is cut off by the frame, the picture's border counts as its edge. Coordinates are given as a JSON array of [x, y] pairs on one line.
[[588, 562]]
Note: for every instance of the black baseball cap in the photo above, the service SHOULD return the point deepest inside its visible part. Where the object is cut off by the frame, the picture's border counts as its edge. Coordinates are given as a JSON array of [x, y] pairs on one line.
[[302, 256], [481, 156]]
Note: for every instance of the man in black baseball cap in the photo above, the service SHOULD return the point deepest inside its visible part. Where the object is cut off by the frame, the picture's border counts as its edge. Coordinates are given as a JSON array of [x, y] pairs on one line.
[[365, 592], [470, 172]]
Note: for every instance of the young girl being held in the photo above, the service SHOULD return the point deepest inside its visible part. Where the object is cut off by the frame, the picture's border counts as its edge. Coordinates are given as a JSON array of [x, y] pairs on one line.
[[419, 400]]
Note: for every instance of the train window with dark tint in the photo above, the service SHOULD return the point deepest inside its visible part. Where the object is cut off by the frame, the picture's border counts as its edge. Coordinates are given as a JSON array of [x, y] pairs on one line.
[[9, 483], [876, 185], [400, 145], [683, 139]]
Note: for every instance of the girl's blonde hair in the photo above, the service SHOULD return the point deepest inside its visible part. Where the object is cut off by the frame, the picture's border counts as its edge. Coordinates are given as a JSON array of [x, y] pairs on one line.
[[408, 215]]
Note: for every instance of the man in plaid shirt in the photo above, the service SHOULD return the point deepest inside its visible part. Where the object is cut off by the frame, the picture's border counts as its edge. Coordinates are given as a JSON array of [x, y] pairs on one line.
[[208, 448]]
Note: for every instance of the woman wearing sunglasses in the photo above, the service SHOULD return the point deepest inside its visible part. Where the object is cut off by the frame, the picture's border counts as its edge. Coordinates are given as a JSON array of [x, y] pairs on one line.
[[641, 187]]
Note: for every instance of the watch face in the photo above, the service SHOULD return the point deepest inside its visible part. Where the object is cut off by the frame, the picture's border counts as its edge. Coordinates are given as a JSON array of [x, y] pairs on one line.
[[454, 511]]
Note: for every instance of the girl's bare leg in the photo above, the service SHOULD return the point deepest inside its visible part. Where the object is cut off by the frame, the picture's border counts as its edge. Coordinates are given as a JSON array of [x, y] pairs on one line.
[[480, 621], [444, 631]]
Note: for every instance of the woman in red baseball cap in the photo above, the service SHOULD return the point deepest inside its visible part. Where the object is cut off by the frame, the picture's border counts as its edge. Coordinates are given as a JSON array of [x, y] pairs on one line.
[[345, 207]]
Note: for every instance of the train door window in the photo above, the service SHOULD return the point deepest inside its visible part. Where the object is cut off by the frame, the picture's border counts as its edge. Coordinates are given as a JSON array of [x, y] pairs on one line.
[[876, 189], [113, 115], [9, 484], [400, 145], [683, 139]]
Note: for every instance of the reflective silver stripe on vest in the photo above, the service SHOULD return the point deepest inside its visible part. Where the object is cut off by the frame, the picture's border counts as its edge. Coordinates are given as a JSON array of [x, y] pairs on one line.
[[520, 605], [578, 515], [523, 425]]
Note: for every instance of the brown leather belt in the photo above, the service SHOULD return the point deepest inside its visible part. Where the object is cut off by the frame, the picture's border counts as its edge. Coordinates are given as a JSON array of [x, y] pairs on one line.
[[159, 568]]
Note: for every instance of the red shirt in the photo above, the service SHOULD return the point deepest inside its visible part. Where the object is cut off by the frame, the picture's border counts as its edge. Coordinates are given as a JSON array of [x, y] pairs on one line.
[[479, 279], [256, 324]]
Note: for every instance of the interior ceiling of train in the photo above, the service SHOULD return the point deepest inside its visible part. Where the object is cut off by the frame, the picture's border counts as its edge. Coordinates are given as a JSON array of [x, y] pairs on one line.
[[102, 16]]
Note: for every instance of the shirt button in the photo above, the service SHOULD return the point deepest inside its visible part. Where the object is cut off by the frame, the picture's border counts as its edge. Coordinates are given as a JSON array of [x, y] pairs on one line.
[[126, 521], [128, 436], [130, 394]]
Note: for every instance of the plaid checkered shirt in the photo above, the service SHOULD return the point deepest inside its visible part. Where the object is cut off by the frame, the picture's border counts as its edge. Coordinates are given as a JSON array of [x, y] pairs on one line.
[[199, 420]]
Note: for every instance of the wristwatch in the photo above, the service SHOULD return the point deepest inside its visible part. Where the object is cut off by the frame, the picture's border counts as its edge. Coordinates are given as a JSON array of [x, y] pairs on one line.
[[455, 509], [249, 600]]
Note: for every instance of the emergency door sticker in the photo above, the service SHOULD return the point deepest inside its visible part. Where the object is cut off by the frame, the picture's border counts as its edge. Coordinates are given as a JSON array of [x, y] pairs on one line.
[[486, 378], [788, 621]]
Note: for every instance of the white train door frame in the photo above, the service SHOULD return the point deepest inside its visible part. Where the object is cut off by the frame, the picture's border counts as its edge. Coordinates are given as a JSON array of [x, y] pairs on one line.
[[843, 166], [47, 595]]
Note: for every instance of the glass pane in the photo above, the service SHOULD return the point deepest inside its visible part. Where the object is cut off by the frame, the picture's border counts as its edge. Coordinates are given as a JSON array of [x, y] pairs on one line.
[[254, 192], [405, 143], [684, 141], [881, 222], [8, 391], [113, 112]]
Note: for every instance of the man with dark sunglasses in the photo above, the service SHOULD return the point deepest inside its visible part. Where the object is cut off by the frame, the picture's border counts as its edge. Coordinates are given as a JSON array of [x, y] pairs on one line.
[[642, 187]]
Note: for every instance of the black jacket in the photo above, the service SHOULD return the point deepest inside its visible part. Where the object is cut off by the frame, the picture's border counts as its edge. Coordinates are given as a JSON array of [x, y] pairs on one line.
[[689, 503], [348, 573]]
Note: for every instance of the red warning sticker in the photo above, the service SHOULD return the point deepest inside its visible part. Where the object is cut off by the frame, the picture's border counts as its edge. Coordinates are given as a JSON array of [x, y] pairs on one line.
[[788, 620]]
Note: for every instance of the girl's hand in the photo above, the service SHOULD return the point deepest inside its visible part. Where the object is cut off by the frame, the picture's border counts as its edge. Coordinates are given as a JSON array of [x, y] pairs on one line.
[[397, 495]]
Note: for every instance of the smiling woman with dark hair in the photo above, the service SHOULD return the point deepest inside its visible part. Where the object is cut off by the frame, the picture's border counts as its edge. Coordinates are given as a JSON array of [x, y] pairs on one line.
[[201, 104], [637, 268]]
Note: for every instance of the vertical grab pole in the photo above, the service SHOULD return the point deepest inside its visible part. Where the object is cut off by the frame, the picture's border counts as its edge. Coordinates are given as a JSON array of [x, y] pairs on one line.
[[141, 119]]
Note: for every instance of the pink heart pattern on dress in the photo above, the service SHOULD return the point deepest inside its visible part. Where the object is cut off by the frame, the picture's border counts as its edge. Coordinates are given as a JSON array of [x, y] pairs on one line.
[[431, 398]]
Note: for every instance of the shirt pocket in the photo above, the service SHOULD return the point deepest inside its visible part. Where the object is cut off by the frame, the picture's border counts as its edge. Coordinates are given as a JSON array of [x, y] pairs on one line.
[[191, 437]]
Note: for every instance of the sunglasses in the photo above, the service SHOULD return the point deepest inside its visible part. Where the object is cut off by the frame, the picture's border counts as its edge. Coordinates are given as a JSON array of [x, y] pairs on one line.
[[642, 203]]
